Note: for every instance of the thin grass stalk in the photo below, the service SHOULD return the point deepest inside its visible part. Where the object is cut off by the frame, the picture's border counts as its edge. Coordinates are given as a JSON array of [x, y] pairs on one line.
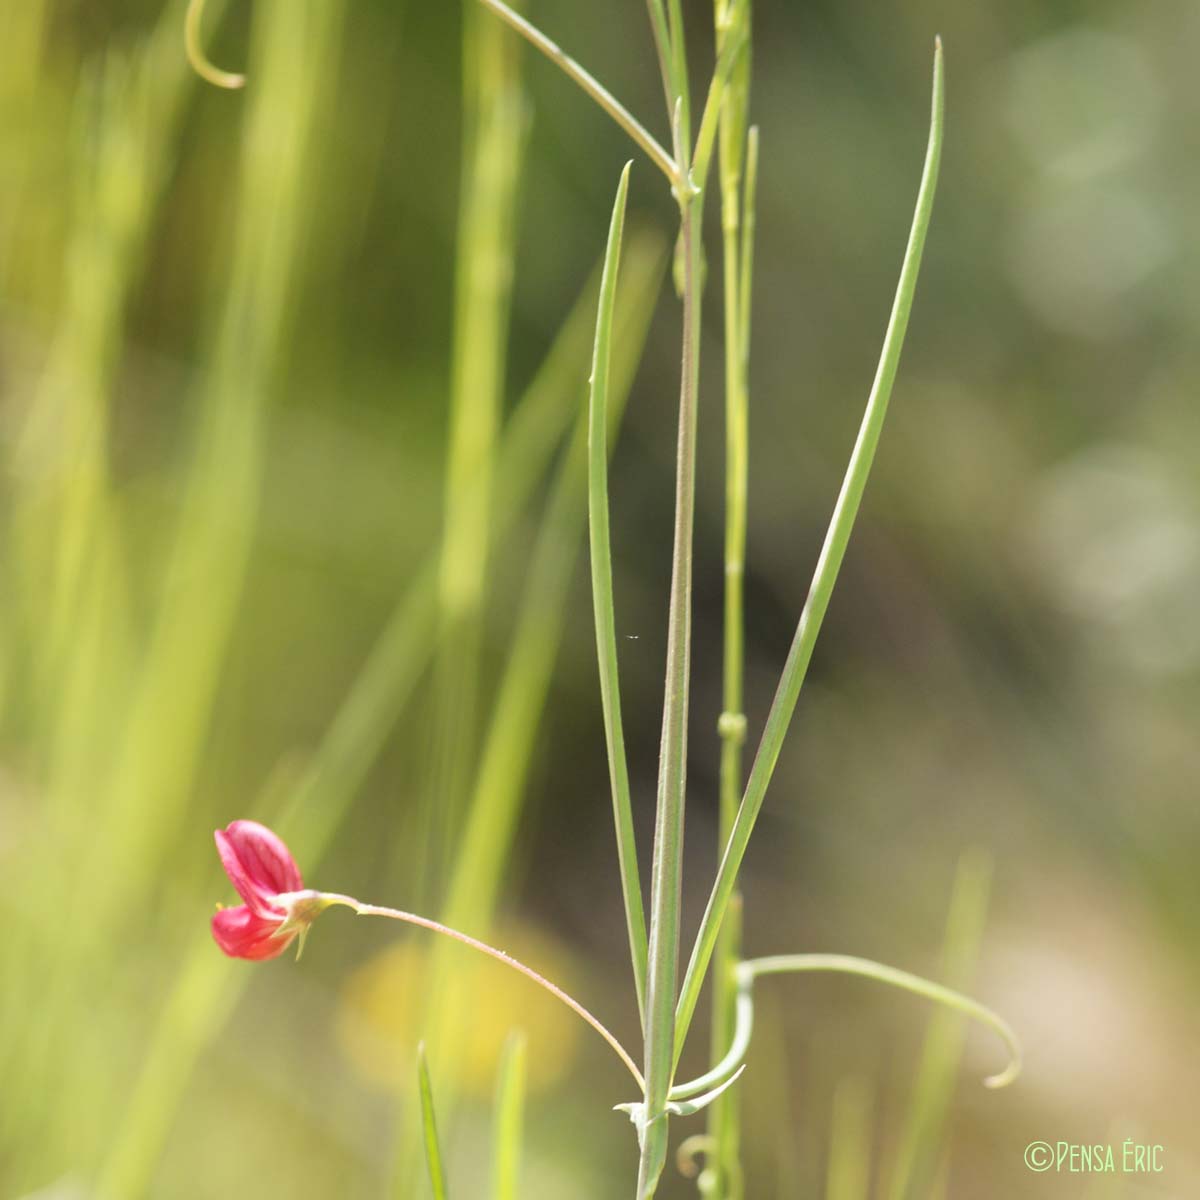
[[832, 554], [722, 1175], [603, 603], [143, 791]]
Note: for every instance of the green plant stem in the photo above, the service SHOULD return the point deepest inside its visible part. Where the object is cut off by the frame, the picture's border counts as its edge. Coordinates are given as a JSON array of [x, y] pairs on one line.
[[330, 899], [749, 230], [832, 554], [722, 1178], [603, 603]]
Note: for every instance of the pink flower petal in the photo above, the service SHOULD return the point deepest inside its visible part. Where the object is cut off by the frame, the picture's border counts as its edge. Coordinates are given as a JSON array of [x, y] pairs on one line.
[[258, 864], [243, 933]]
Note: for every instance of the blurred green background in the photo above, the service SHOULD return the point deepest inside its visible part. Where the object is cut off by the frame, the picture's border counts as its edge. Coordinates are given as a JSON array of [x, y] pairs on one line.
[[292, 529]]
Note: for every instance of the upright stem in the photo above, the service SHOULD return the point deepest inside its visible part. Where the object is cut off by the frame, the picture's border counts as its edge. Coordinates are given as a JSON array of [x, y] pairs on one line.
[[738, 152]]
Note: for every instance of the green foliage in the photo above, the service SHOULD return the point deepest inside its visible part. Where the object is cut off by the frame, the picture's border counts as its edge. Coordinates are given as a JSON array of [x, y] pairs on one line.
[[433, 1149], [509, 1120]]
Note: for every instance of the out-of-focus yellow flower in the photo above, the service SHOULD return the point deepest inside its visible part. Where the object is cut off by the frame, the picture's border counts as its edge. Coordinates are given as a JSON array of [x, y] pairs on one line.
[[383, 1012]]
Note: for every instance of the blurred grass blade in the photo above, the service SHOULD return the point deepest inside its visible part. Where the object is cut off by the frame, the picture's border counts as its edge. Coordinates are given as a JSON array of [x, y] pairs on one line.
[[849, 1175], [488, 841], [296, 51], [510, 1120], [402, 651], [146, 762], [602, 598], [828, 566], [919, 1153], [493, 160], [360, 728], [433, 1150]]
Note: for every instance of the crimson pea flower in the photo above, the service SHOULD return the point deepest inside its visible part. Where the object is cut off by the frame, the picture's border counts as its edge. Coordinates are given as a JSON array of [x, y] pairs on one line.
[[262, 869]]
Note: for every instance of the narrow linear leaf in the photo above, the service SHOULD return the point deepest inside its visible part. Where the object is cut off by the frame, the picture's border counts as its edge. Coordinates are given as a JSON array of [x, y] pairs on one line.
[[828, 566], [733, 46], [602, 596], [433, 1150], [510, 1120]]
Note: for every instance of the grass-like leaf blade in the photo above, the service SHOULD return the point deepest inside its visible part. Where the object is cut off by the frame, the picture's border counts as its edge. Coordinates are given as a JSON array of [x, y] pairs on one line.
[[602, 595]]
